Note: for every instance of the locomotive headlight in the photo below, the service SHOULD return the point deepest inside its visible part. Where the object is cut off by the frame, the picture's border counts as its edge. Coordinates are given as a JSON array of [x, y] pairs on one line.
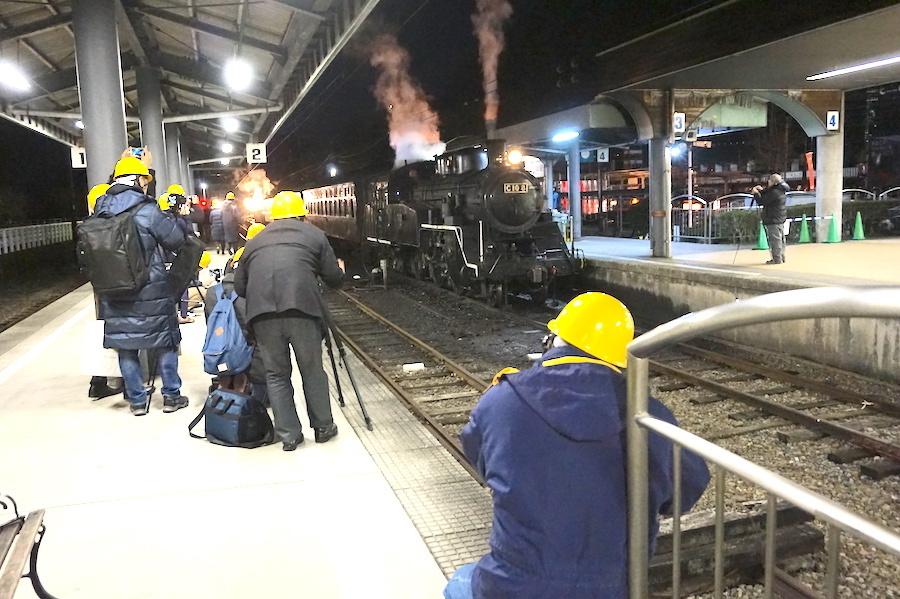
[[514, 157]]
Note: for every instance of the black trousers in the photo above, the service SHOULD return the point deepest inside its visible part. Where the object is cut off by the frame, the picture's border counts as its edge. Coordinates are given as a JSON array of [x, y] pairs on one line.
[[275, 337]]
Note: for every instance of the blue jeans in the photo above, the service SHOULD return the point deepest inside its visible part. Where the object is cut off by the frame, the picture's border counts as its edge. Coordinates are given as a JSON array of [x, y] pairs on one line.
[[130, 365], [460, 584]]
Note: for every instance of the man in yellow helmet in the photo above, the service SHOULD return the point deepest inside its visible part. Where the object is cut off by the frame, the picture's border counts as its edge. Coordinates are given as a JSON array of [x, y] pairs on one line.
[[144, 319], [550, 443], [278, 274]]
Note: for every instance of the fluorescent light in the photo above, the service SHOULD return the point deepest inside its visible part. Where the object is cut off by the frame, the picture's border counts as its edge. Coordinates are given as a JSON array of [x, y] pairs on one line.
[[565, 136], [12, 76], [79, 124], [860, 67], [238, 74], [230, 124], [227, 147], [332, 170]]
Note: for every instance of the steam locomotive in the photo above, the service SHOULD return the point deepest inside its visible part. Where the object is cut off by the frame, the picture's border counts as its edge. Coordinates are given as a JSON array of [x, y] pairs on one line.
[[465, 220]]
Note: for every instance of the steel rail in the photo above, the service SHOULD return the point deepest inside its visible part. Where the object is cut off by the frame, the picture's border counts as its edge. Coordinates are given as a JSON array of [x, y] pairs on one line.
[[829, 428]]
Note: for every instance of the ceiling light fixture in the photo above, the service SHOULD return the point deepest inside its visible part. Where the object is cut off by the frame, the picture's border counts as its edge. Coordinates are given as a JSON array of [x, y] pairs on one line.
[[565, 136], [230, 124], [860, 67], [13, 77], [238, 74], [79, 124], [227, 147], [224, 161]]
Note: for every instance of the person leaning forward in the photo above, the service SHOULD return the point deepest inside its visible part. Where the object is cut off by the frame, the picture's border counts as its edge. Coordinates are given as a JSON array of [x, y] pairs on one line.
[[550, 443], [278, 276], [773, 200]]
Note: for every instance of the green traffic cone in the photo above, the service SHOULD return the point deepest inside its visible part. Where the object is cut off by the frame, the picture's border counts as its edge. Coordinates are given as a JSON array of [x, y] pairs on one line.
[[858, 233], [804, 231], [834, 232], [762, 243]]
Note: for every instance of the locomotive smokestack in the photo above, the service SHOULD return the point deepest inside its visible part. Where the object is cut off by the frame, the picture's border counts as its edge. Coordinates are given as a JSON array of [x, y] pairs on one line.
[[491, 126], [412, 123], [488, 23]]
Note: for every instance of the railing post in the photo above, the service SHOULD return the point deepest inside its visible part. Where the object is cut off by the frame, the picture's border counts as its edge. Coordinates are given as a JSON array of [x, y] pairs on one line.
[[638, 500]]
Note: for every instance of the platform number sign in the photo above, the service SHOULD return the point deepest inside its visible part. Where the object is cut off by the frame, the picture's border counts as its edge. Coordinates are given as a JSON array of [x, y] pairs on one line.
[[602, 154], [256, 153], [679, 124], [79, 159], [833, 121]]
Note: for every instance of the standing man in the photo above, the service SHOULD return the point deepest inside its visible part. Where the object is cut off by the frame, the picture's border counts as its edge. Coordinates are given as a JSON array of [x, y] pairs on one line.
[[146, 318], [278, 276], [550, 443], [774, 214], [231, 223]]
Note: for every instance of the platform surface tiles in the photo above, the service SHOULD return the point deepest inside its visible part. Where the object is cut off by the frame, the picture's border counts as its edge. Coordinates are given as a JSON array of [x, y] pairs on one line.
[[137, 508]]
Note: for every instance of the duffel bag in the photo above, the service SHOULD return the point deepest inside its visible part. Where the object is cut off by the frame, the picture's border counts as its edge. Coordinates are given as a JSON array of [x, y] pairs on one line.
[[235, 420]]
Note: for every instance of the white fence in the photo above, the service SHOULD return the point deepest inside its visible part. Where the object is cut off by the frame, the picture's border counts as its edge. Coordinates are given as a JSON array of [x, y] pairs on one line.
[[15, 239]]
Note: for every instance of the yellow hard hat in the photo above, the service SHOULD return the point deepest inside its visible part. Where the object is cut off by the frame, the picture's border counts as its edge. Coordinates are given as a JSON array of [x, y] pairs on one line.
[[254, 229], [163, 201], [95, 193], [229, 195], [131, 166], [288, 204], [596, 323], [176, 188], [205, 259], [237, 255]]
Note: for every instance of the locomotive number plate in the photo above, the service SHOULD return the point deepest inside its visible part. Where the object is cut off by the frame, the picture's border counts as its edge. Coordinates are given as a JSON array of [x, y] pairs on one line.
[[515, 188]]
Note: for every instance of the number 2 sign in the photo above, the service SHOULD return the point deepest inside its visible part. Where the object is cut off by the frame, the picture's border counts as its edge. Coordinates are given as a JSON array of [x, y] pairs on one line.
[[256, 153]]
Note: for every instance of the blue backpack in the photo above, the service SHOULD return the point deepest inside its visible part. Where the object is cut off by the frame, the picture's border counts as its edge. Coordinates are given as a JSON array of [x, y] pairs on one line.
[[225, 351]]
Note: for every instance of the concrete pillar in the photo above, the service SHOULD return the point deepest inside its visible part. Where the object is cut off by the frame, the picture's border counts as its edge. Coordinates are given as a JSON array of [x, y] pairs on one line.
[[182, 163], [575, 187], [660, 198], [172, 163], [549, 183], [150, 109], [100, 89], [829, 181]]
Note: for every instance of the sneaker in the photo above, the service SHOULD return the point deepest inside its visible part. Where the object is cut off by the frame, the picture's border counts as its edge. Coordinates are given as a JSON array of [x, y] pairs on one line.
[[773, 262], [325, 433], [292, 445], [141, 409], [185, 319], [101, 390], [172, 403]]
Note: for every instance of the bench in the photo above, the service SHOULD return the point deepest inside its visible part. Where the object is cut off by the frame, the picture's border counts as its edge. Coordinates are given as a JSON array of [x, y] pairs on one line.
[[20, 540]]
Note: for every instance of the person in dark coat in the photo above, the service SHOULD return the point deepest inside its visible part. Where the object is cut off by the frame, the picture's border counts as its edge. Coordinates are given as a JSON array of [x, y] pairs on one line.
[[773, 200], [550, 444], [278, 275], [231, 223], [217, 228], [146, 319]]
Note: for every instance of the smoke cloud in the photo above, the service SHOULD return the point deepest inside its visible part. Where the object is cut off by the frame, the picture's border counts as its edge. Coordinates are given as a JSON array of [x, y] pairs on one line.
[[488, 23], [412, 124], [255, 185]]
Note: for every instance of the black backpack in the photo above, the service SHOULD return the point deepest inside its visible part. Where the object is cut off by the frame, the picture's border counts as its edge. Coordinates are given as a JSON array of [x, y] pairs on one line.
[[110, 253], [185, 266]]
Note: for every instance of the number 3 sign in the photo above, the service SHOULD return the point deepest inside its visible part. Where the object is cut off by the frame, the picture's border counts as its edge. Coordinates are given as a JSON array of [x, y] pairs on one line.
[[256, 153]]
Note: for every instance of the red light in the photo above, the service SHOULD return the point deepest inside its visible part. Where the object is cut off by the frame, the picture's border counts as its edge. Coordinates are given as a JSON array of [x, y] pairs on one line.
[[204, 203]]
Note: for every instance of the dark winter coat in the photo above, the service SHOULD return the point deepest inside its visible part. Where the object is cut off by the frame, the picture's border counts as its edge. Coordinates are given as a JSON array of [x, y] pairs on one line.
[[147, 318], [278, 269], [773, 201], [231, 222], [550, 443], [217, 229]]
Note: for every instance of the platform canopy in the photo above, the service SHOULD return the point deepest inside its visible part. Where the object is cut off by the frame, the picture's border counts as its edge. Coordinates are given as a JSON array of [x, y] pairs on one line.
[[287, 43]]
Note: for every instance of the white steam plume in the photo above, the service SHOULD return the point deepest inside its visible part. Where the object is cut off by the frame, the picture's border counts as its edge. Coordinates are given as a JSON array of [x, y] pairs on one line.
[[412, 124]]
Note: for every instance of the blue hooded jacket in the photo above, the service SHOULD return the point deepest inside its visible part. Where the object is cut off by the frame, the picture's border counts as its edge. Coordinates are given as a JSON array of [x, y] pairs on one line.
[[550, 443], [147, 318]]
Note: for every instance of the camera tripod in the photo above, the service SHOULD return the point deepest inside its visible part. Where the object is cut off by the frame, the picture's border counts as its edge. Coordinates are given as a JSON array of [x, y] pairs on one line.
[[333, 337]]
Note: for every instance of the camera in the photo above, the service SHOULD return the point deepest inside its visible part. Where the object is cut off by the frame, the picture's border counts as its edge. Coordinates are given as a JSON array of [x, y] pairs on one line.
[[137, 152], [217, 273]]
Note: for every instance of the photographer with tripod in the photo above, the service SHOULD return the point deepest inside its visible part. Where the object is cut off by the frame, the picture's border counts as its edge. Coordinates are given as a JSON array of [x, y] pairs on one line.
[[278, 276], [774, 213]]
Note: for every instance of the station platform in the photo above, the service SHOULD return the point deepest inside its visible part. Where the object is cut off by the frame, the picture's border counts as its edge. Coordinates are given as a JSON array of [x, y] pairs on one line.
[[864, 262], [135, 507]]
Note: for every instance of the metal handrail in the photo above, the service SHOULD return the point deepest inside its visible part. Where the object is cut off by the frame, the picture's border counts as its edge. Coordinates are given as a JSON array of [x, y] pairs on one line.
[[826, 302]]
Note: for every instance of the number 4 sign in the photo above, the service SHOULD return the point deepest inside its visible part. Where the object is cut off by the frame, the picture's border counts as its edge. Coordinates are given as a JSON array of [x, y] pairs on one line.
[[833, 122], [256, 153]]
